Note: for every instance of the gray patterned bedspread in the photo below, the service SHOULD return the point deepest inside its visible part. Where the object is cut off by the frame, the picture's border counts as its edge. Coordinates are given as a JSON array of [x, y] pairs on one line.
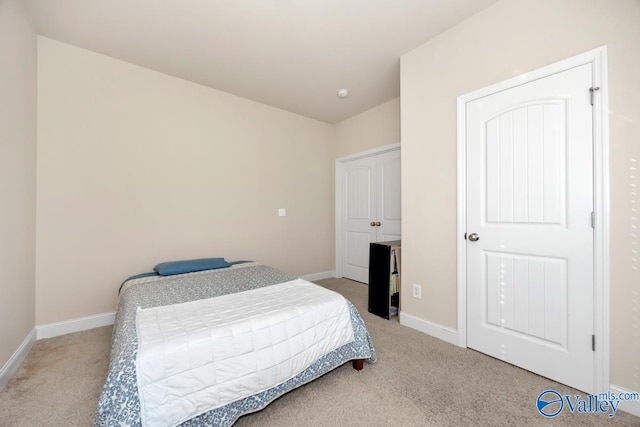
[[119, 404]]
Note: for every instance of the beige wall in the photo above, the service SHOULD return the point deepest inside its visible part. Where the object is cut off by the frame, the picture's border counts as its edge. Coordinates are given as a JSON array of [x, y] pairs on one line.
[[17, 176], [374, 128], [505, 40], [136, 167]]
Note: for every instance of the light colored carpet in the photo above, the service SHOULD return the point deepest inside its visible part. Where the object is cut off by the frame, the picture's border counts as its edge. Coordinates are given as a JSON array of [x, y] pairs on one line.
[[417, 381]]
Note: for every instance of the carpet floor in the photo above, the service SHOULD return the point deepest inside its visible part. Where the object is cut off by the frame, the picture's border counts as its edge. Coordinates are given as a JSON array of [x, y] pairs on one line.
[[417, 381]]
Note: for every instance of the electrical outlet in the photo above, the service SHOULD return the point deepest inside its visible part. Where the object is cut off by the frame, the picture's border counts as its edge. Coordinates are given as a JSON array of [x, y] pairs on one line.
[[417, 291]]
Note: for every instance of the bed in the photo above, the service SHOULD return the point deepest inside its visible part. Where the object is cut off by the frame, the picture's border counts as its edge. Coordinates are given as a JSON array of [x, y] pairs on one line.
[[152, 296]]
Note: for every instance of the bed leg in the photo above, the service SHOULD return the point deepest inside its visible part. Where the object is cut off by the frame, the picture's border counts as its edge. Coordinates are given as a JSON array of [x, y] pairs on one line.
[[358, 364]]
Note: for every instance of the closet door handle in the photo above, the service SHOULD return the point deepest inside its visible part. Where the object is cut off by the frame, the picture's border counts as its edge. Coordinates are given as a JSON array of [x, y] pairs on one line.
[[373, 224], [378, 224]]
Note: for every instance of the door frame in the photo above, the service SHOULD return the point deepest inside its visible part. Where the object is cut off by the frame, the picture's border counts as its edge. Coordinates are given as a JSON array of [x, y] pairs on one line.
[[598, 60], [339, 196]]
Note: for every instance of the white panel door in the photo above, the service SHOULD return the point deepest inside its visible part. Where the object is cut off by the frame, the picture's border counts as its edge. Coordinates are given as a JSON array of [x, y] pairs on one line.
[[388, 196], [371, 209], [530, 277], [360, 189]]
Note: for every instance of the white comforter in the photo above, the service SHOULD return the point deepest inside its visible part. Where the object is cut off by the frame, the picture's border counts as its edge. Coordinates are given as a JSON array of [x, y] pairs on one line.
[[200, 355]]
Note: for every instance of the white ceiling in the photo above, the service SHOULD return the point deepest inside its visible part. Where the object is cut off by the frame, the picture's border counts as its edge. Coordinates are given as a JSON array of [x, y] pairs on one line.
[[291, 54]]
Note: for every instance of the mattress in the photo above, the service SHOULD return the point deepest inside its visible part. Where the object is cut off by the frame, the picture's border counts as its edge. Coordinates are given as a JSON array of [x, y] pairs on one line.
[[119, 403]]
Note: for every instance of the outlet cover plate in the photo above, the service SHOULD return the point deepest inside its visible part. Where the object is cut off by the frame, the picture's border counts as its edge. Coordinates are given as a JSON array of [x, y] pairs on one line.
[[417, 291]]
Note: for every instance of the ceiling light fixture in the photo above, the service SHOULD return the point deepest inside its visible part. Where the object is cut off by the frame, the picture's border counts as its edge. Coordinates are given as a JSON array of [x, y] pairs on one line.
[[343, 93]]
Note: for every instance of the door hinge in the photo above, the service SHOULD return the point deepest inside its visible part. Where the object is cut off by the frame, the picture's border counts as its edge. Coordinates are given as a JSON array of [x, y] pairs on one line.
[[593, 342], [593, 219], [592, 91]]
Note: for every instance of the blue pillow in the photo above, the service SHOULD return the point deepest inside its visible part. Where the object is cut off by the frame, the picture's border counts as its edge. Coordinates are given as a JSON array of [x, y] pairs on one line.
[[189, 266]]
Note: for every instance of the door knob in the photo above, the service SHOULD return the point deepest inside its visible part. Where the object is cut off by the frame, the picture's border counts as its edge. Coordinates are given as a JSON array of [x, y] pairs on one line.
[[474, 237], [378, 224], [373, 224]]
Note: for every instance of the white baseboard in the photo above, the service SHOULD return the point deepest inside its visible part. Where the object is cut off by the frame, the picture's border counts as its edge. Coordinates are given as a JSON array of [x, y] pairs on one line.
[[630, 406], [429, 328], [16, 359], [319, 276], [51, 330]]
